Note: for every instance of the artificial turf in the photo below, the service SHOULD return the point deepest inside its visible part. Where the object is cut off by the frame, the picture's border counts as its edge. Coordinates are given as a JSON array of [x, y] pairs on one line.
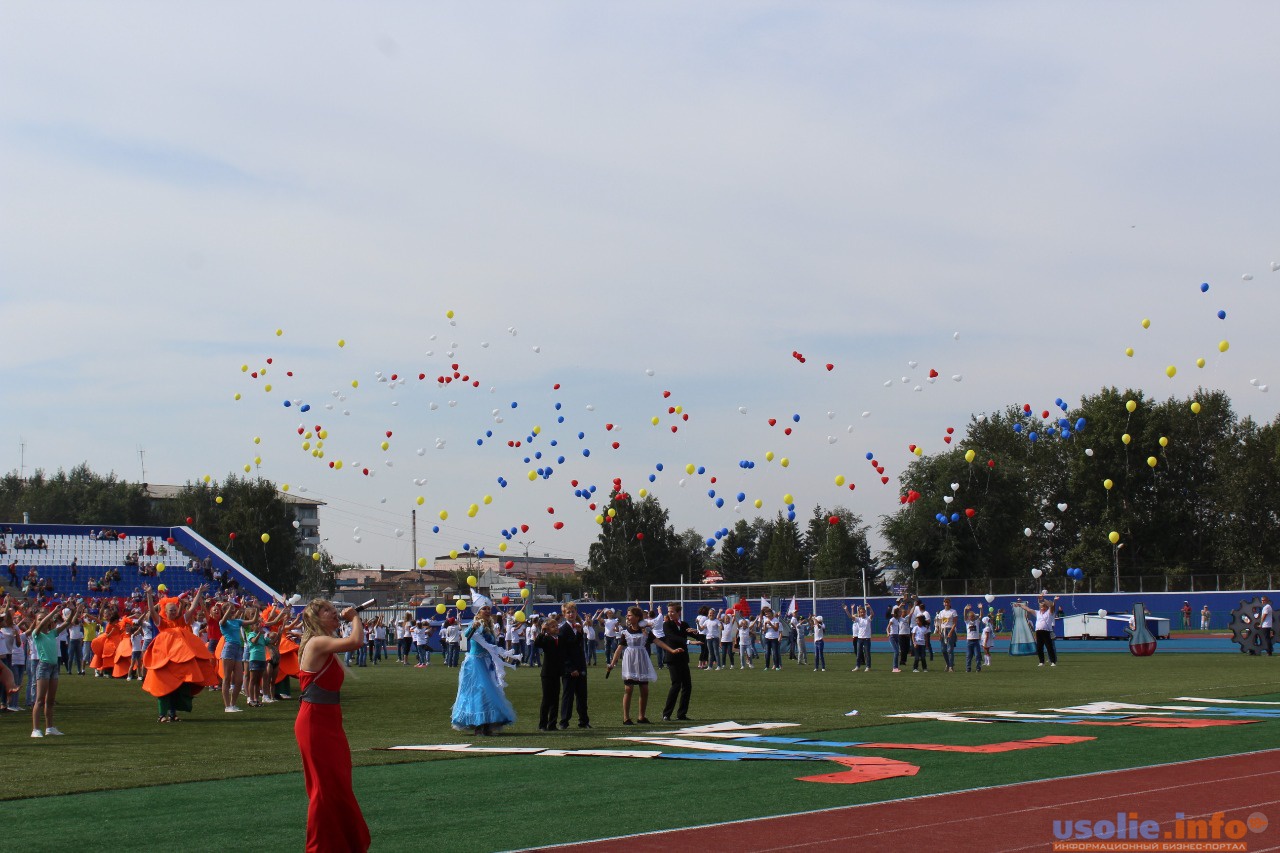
[[116, 764]]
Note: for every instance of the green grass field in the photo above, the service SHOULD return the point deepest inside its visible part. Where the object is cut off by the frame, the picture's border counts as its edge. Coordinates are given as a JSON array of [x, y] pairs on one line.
[[117, 766]]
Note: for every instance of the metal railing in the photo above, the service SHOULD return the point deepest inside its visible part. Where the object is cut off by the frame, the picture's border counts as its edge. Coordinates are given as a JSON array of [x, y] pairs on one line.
[[1059, 584]]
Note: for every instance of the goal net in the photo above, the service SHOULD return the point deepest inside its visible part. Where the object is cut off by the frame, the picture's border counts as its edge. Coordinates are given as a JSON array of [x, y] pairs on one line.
[[776, 594]]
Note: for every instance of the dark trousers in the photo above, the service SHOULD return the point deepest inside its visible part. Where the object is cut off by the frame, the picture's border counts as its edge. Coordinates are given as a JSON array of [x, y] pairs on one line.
[[904, 648], [893, 649], [863, 645], [681, 686], [975, 654], [920, 661], [772, 653], [1269, 635], [573, 688], [550, 701], [1044, 640]]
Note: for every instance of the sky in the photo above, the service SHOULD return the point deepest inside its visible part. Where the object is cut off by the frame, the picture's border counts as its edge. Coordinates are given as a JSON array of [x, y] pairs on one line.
[[622, 200]]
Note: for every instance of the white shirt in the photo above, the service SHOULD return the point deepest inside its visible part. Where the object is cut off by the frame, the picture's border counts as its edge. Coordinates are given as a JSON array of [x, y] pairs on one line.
[[818, 631], [726, 632], [1267, 613], [744, 637], [862, 627], [772, 627], [971, 631], [1044, 619], [611, 628], [920, 634], [946, 620], [75, 632], [453, 633]]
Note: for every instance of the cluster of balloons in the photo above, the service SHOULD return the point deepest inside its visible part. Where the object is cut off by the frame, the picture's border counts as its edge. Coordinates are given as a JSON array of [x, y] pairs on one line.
[[1075, 574]]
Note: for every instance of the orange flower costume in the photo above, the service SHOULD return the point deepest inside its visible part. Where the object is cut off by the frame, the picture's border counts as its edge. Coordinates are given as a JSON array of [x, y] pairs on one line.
[[176, 657], [106, 645], [288, 664]]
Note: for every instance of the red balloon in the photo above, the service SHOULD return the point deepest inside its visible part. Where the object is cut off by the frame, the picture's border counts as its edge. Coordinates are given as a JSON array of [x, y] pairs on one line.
[[522, 584], [232, 535], [713, 479], [508, 564], [773, 421], [674, 428], [506, 599], [666, 394], [946, 439], [389, 431], [970, 512], [189, 520], [558, 525], [911, 447], [991, 463], [555, 387], [787, 431], [884, 480], [933, 374], [831, 366], [524, 528], [835, 519], [608, 427], [950, 430], [615, 445], [640, 536], [170, 540], [551, 510], [422, 376], [121, 536]]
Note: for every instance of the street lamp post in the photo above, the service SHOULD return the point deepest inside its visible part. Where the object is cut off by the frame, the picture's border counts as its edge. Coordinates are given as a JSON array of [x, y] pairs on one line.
[[1116, 554]]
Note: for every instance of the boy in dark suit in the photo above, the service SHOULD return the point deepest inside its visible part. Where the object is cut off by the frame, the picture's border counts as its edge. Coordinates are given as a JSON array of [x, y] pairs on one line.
[[574, 668], [548, 643], [674, 640]]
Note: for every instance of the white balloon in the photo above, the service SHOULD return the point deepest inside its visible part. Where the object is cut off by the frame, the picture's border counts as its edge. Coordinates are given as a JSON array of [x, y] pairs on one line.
[[1088, 451], [1253, 382], [915, 564], [590, 408], [1247, 277], [357, 538], [1102, 614], [917, 388], [297, 524], [399, 532], [1048, 525], [421, 451], [1026, 531], [484, 345], [537, 349], [905, 380], [434, 406], [956, 377], [296, 598], [888, 382], [1062, 507], [742, 410], [866, 414], [1035, 573], [681, 483], [946, 499], [989, 597], [831, 415], [831, 439], [955, 336], [932, 379], [981, 419], [912, 364], [648, 371], [955, 487], [1275, 266], [1262, 388], [453, 404]]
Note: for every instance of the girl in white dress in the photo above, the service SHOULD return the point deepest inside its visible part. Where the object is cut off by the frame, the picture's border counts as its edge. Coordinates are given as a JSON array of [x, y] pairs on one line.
[[637, 668]]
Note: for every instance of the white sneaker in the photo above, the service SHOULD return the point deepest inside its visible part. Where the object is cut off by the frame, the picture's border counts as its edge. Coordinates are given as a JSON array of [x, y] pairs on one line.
[[1039, 664], [52, 732], [231, 709], [37, 733], [1053, 664], [267, 700]]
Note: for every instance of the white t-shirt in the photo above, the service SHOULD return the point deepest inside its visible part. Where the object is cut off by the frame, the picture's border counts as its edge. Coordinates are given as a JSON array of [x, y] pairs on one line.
[[987, 636], [744, 637], [139, 641], [946, 620], [453, 633], [611, 628], [920, 634], [772, 628], [1044, 619], [402, 630], [818, 631], [862, 627], [18, 649], [75, 632], [971, 630], [726, 632], [6, 641], [589, 628], [1266, 617]]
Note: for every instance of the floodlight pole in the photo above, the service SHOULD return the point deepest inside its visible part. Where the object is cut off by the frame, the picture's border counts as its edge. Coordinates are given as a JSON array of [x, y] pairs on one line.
[[1116, 552]]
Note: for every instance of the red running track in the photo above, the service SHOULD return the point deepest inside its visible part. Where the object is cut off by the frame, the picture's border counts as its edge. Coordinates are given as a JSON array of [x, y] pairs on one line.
[[1005, 819]]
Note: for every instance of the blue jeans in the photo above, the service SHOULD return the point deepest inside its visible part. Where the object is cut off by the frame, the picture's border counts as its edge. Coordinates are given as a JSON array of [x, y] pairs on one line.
[[949, 650], [863, 646], [974, 654], [75, 655], [893, 644], [451, 656], [17, 669], [772, 651], [819, 658], [713, 651]]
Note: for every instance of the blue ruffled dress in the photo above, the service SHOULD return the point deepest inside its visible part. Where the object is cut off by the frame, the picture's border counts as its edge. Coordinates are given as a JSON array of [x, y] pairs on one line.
[[481, 700]]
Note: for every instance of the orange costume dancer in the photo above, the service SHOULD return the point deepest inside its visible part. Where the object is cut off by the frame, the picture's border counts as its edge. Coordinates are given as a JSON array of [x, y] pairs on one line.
[[334, 821], [288, 664], [124, 649], [178, 665], [107, 642]]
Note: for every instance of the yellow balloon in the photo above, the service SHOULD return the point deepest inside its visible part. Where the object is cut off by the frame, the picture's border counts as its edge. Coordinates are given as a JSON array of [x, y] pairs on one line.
[[788, 499], [524, 593], [758, 503], [520, 617], [279, 332], [644, 493], [1195, 408], [262, 371], [654, 420], [315, 556], [472, 510], [324, 433], [1146, 324], [679, 410], [784, 462], [768, 456], [839, 479], [1200, 362], [461, 604], [440, 608], [266, 537], [422, 562], [247, 469], [1171, 371], [257, 460], [206, 478], [488, 499], [1113, 537], [1126, 438], [1131, 406], [919, 451], [1223, 346], [1152, 461], [306, 445], [420, 500], [1107, 484], [257, 439], [244, 368], [266, 388], [449, 314], [1164, 442], [237, 395], [218, 499], [1128, 351], [472, 580], [537, 430], [613, 513], [533, 475], [453, 555], [969, 455], [355, 383], [285, 487], [385, 445], [319, 444], [341, 342], [690, 468], [337, 463], [599, 519], [307, 434], [319, 454], [160, 567], [444, 515]]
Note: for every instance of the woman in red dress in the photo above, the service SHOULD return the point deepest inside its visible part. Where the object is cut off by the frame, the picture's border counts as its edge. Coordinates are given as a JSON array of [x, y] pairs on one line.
[[334, 820]]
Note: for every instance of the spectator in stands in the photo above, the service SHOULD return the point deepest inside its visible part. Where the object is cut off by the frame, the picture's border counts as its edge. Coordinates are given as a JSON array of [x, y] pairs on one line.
[[151, 547], [131, 559], [41, 545], [4, 547], [13, 573], [74, 568]]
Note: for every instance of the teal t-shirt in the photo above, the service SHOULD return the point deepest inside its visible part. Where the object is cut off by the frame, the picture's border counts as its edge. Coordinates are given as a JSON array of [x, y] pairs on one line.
[[46, 646], [257, 645], [233, 632]]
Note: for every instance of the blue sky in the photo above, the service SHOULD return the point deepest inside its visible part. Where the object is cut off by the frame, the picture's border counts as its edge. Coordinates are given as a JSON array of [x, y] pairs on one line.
[[695, 191]]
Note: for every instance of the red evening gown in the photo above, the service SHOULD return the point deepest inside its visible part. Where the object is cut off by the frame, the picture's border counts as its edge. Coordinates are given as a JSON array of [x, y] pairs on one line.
[[334, 820]]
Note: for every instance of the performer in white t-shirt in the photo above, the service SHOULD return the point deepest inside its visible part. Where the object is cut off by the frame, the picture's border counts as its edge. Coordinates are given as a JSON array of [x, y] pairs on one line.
[[1044, 628]]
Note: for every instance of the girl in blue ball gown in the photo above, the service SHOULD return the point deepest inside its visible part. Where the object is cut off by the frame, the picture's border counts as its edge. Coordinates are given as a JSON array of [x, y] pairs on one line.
[[481, 706]]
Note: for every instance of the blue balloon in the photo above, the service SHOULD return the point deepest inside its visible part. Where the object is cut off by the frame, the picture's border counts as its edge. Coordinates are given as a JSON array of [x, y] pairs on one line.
[[582, 435], [554, 442], [711, 543], [480, 553], [537, 455], [1080, 424], [1017, 427], [1222, 315], [742, 496], [514, 404], [488, 433], [1204, 288], [701, 470], [306, 407], [479, 441], [653, 477], [1031, 436], [592, 489], [586, 452], [1058, 401], [560, 419], [557, 407], [741, 550], [955, 516], [658, 466], [939, 516], [870, 455], [435, 528], [711, 493], [791, 516], [466, 546], [1066, 433], [287, 404], [795, 418], [719, 502], [559, 460]]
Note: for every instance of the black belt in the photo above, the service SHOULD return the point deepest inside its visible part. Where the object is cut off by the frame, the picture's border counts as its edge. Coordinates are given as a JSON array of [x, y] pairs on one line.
[[317, 695]]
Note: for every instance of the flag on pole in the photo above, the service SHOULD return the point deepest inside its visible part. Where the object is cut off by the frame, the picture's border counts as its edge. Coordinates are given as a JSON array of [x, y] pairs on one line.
[[764, 602], [791, 610]]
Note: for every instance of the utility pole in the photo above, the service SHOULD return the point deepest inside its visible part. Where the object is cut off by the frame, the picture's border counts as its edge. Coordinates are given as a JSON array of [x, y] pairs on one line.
[[142, 463], [527, 546], [413, 528], [22, 459]]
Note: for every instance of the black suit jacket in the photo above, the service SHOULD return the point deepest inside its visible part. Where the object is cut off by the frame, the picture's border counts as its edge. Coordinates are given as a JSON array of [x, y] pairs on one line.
[[552, 657], [676, 636], [575, 658]]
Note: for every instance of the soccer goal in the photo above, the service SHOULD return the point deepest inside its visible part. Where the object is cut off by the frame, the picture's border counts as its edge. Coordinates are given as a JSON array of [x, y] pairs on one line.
[[777, 594]]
